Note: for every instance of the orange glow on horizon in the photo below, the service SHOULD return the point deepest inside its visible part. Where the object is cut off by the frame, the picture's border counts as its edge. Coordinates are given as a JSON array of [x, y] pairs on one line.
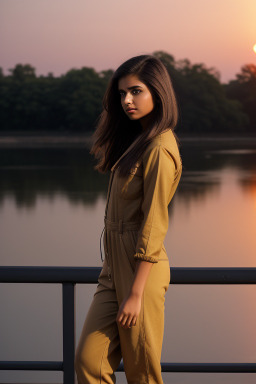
[[254, 48]]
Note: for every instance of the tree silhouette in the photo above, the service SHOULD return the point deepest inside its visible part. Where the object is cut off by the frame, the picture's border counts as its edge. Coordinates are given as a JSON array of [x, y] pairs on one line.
[[244, 90], [23, 72], [73, 101]]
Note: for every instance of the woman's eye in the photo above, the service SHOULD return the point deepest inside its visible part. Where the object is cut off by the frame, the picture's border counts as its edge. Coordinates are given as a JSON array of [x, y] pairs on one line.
[[134, 92]]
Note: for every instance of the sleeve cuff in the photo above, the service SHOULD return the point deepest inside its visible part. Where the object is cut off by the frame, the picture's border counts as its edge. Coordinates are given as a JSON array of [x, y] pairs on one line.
[[140, 256]]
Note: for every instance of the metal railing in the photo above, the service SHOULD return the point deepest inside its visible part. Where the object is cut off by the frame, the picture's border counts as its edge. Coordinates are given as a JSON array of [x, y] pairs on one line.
[[70, 276]]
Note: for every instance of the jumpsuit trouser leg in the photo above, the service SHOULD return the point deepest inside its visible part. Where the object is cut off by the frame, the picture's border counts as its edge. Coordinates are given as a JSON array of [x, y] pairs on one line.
[[98, 352], [103, 342]]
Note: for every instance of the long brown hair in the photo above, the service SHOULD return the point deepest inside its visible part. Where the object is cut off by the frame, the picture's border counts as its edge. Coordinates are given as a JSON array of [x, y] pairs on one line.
[[115, 132]]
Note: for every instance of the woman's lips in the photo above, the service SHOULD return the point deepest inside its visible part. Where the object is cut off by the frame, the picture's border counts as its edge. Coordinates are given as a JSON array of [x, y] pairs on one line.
[[131, 110]]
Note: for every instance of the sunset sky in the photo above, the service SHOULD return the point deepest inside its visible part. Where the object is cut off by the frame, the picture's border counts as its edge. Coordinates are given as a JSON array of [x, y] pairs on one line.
[[57, 35]]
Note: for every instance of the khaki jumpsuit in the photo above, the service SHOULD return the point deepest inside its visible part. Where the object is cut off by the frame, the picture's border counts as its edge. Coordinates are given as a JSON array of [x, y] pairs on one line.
[[136, 222]]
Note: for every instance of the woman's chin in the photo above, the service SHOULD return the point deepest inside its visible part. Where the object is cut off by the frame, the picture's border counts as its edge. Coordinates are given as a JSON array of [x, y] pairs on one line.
[[134, 117]]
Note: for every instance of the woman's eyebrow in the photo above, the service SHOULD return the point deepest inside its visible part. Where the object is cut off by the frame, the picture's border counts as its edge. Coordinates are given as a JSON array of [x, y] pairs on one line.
[[133, 87]]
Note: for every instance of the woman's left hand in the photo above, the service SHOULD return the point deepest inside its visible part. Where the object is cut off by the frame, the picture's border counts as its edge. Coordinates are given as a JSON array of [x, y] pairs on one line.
[[129, 311]]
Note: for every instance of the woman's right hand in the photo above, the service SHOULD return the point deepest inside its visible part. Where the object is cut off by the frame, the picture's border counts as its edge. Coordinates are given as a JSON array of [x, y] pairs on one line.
[[129, 311]]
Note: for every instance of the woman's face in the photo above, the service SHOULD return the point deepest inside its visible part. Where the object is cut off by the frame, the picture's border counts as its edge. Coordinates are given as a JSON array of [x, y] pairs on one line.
[[136, 98]]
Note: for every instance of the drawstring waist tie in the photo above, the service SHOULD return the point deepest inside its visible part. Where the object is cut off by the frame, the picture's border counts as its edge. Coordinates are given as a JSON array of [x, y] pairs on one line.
[[121, 226]]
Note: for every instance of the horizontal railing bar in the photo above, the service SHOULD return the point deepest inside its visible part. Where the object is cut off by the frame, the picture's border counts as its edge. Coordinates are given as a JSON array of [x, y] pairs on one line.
[[31, 365], [209, 367], [82, 275], [166, 367], [213, 275], [89, 275]]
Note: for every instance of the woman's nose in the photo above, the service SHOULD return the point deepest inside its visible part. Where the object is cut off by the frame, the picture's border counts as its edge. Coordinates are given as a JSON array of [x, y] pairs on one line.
[[128, 98]]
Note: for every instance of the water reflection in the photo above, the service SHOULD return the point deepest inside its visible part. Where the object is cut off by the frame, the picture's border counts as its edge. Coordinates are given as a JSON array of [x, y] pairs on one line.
[[26, 173], [205, 166]]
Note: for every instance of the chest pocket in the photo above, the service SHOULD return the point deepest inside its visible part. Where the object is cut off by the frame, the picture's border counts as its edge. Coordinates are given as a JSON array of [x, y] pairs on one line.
[[131, 186]]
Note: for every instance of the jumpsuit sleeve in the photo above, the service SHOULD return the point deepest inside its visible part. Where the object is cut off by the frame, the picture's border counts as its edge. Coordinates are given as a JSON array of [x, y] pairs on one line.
[[158, 177]]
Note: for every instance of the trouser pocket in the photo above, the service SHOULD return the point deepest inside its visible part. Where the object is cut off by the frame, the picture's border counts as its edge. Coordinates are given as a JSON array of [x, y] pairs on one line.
[[128, 241]]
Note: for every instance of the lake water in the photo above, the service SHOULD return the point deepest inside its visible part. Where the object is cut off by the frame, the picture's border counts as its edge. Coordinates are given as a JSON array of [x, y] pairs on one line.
[[51, 214]]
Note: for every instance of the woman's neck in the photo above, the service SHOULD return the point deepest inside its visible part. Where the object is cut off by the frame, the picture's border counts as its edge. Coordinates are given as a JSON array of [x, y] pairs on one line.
[[144, 121]]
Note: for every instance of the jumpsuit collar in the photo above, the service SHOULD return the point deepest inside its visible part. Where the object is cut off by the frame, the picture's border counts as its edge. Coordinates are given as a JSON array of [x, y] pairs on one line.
[[130, 147]]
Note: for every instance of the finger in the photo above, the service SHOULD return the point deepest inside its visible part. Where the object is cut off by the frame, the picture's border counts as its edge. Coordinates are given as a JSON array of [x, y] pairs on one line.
[[123, 321], [128, 322], [134, 320], [119, 317], [132, 323]]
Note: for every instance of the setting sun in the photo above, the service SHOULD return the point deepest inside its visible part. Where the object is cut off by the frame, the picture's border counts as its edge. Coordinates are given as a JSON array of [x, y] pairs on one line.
[[254, 48]]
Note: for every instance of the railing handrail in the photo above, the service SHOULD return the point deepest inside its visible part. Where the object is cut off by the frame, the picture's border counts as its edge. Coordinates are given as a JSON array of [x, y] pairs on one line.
[[89, 275], [70, 276]]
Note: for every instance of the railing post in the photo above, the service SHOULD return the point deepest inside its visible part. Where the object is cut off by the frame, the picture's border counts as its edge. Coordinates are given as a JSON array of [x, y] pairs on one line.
[[68, 313]]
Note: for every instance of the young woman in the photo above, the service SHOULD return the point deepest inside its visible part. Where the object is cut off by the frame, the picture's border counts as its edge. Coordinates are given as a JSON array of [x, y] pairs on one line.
[[134, 139]]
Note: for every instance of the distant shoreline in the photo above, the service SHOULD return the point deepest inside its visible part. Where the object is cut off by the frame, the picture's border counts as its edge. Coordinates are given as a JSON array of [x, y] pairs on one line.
[[46, 139]]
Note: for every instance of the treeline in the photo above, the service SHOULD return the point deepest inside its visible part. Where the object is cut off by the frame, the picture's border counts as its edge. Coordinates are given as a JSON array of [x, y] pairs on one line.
[[73, 102]]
